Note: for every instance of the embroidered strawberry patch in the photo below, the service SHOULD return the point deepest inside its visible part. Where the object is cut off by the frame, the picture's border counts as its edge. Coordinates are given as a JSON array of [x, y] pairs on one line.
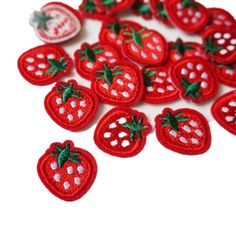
[[44, 64], [67, 171], [56, 22], [122, 132], [185, 131], [180, 49], [158, 85], [224, 111], [71, 106], [119, 85], [145, 46], [188, 15], [195, 78], [159, 11], [112, 30], [90, 58], [142, 8], [220, 44], [227, 74]]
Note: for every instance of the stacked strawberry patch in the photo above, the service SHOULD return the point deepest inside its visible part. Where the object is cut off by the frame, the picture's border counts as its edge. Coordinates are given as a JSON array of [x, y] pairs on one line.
[[130, 64]]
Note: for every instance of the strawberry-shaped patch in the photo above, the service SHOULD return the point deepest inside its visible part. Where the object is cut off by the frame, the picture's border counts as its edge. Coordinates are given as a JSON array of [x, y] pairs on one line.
[[158, 85], [220, 44], [180, 49], [112, 7], [145, 46], [159, 11], [142, 8], [112, 30], [71, 106], [227, 74], [188, 15], [195, 78], [44, 64], [56, 22], [90, 58], [119, 85], [122, 132], [224, 111], [67, 171], [185, 131]]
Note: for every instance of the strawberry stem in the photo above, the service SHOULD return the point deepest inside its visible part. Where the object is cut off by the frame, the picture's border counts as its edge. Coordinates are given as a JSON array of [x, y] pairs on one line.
[[136, 127], [161, 11], [41, 19], [115, 27], [192, 89], [181, 47], [57, 66], [90, 53]]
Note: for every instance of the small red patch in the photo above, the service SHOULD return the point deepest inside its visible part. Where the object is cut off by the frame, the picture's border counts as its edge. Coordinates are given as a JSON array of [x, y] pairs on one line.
[[66, 171], [44, 64], [220, 44], [56, 22], [185, 131], [71, 106], [227, 74], [122, 132], [119, 85], [224, 110], [142, 8], [188, 15], [145, 46], [90, 58], [158, 87], [195, 78]]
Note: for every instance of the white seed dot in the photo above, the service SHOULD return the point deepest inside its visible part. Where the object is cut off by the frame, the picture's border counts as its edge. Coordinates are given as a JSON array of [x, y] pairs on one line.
[[198, 132], [120, 82], [149, 45], [190, 12], [54, 166], [77, 180], [154, 56], [101, 59], [38, 73], [229, 118], [190, 65], [30, 68], [112, 126], [186, 128], [179, 6], [155, 39], [80, 113], [217, 35], [227, 35], [217, 22], [159, 48], [192, 75], [173, 133], [221, 17], [125, 143], [66, 185], [233, 41], [114, 143], [225, 109], [105, 86], [229, 72], [40, 56], [69, 170], [198, 14], [204, 84], [193, 123], [113, 60], [199, 67], [61, 110], [194, 141], [114, 92], [90, 65], [108, 54], [119, 42], [194, 20], [122, 134], [231, 47], [183, 140], [160, 90], [42, 66], [177, 57], [184, 71], [125, 94], [159, 80], [143, 54], [223, 51], [180, 13], [204, 75], [122, 120], [221, 41], [73, 104], [162, 74], [80, 169], [170, 88], [134, 48], [112, 35], [57, 177], [127, 76], [70, 117], [150, 88], [82, 103], [51, 56], [30, 59], [131, 86], [186, 20], [107, 135], [232, 104]]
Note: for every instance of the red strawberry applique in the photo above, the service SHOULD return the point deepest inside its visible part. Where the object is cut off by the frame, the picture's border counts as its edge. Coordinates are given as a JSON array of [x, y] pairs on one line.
[[220, 44], [122, 132], [90, 58], [67, 171], [71, 106], [119, 85], [142, 8], [195, 78], [44, 64], [224, 111], [56, 22], [158, 85], [188, 15], [145, 46], [185, 131], [227, 74]]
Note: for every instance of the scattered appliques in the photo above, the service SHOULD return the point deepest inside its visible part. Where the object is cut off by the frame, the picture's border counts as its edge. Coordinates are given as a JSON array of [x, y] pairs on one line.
[[122, 132], [185, 131], [159, 11], [67, 171], [90, 58], [188, 15], [44, 64], [145, 46], [119, 85], [195, 78], [112, 30], [71, 106], [220, 44], [180, 49], [142, 8], [227, 74], [56, 22], [224, 111], [158, 85]]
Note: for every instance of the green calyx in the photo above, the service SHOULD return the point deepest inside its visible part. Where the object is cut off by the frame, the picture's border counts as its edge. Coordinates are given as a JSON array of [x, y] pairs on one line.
[[41, 19], [161, 11], [137, 36], [136, 127], [189, 3], [90, 53], [115, 27], [147, 75], [181, 47], [57, 66], [173, 120], [210, 47], [109, 73], [90, 6], [191, 89], [68, 91], [229, 66], [108, 3], [144, 9], [64, 154]]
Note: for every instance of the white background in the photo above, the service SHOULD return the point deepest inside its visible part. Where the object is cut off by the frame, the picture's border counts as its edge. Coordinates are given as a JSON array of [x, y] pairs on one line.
[[156, 193]]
